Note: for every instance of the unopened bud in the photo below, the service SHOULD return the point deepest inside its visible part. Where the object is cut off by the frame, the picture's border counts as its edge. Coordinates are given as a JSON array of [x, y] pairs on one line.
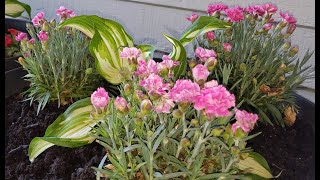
[[254, 57], [291, 28], [89, 71], [178, 114], [226, 136], [185, 142], [211, 63], [21, 60], [149, 133], [164, 72], [293, 51], [138, 121], [183, 106], [45, 26], [194, 122], [192, 63], [139, 95], [235, 150], [254, 80], [53, 22], [154, 95], [146, 106], [286, 45], [282, 66], [243, 67], [240, 133], [244, 156], [127, 89], [165, 141], [217, 131]]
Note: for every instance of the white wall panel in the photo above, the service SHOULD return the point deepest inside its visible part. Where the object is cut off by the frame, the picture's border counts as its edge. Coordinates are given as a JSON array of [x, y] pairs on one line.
[[146, 22]]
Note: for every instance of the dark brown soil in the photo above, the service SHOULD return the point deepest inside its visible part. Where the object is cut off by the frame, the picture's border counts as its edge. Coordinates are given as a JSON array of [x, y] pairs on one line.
[[56, 162], [290, 149]]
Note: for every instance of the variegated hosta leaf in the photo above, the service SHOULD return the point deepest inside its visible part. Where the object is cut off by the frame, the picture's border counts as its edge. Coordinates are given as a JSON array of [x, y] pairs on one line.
[[255, 164], [147, 51], [14, 8], [178, 53], [107, 38], [202, 25], [70, 129]]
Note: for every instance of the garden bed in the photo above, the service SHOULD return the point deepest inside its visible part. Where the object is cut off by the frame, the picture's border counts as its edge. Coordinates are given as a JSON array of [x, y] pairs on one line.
[[290, 149], [54, 163]]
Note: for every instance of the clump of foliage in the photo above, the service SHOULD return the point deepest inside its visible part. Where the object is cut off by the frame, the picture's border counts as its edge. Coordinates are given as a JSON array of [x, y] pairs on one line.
[[58, 61], [256, 61], [12, 48]]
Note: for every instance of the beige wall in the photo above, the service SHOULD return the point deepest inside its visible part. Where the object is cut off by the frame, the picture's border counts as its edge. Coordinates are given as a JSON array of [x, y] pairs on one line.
[[146, 20]]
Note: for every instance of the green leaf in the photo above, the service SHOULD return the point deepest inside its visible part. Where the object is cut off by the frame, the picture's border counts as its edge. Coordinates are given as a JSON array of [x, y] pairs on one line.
[[171, 175], [132, 147], [70, 129], [14, 8], [104, 58], [179, 54], [108, 173], [202, 25], [98, 176], [213, 176], [107, 38], [147, 51], [255, 164]]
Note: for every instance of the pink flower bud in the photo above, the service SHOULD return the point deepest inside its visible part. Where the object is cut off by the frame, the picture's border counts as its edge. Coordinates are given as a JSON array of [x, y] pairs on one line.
[[193, 17], [270, 8], [30, 43], [211, 83], [21, 36], [130, 53], [121, 104], [234, 14], [267, 26], [100, 98], [43, 36], [38, 19], [146, 106], [227, 47], [210, 36], [291, 28], [212, 8], [258, 10], [204, 54], [200, 72], [211, 63], [245, 121], [286, 17], [65, 13]]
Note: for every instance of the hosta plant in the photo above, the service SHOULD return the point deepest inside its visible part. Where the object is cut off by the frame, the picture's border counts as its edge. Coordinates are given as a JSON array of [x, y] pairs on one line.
[[58, 61], [255, 59]]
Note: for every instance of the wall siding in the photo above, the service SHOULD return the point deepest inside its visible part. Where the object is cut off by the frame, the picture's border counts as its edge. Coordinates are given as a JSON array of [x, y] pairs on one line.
[[147, 20]]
